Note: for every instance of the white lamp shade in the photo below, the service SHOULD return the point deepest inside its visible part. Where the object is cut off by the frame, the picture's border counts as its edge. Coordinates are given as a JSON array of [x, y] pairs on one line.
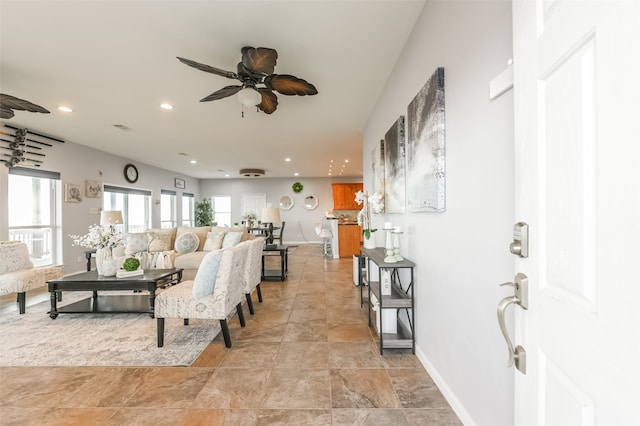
[[249, 97], [270, 215], [111, 217]]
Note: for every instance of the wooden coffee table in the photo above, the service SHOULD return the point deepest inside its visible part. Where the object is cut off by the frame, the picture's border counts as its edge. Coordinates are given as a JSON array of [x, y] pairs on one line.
[[110, 304]]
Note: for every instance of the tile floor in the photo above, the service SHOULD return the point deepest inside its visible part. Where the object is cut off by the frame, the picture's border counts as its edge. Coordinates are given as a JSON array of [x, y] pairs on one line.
[[307, 357]]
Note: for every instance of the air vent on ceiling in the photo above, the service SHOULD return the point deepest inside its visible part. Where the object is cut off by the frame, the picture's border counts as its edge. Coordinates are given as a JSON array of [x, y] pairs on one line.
[[252, 172]]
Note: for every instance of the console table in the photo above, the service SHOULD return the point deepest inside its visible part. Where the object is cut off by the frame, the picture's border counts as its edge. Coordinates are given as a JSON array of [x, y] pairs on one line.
[[400, 299]]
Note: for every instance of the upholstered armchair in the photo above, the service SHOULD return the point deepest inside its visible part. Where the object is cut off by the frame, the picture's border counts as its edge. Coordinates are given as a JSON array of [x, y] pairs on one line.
[[17, 274], [215, 293], [252, 270]]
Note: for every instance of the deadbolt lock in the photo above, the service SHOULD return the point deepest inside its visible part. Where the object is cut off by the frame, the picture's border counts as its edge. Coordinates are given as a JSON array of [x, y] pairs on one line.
[[520, 244]]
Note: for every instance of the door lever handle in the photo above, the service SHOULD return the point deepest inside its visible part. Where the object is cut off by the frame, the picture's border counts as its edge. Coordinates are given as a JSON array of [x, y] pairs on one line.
[[517, 355]]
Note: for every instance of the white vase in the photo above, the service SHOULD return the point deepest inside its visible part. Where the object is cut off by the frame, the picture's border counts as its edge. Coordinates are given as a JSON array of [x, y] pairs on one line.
[[105, 263], [369, 243], [109, 267]]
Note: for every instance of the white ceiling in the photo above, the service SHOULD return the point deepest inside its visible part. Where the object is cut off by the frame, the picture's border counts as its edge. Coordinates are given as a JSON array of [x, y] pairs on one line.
[[114, 62]]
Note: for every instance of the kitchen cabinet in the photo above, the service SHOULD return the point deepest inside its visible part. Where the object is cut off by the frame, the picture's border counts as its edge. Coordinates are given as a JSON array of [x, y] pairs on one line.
[[349, 240], [344, 195]]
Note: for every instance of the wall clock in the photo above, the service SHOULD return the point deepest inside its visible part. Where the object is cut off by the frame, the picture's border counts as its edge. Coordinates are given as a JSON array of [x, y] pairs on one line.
[[131, 173]]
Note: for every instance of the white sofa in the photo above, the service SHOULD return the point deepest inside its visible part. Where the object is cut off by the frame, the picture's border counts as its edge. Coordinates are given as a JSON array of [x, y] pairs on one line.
[[17, 274], [179, 247]]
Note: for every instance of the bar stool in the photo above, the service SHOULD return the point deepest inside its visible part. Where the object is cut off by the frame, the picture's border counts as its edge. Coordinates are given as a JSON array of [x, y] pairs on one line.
[[326, 236]]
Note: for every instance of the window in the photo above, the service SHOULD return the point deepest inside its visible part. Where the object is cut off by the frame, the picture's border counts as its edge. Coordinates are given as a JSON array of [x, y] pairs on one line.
[[135, 205], [34, 213], [188, 211], [221, 210], [168, 209]]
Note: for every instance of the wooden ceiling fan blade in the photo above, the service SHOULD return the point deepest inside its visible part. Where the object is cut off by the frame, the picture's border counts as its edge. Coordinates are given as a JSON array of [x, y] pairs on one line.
[[289, 85], [6, 113], [8, 101], [269, 101], [222, 93], [207, 68], [261, 60]]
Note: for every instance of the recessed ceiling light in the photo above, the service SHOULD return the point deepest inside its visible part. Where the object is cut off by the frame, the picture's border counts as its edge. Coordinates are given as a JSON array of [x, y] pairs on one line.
[[65, 109], [226, 175], [287, 159], [296, 174], [166, 106], [346, 161], [193, 161]]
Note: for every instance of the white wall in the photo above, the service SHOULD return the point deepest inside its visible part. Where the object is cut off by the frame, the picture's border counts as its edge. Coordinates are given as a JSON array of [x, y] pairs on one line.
[[76, 163], [300, 222], [462, 254]]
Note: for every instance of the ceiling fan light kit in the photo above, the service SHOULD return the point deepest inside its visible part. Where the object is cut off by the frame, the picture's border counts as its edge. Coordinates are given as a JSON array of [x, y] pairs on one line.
[[255, 72], [249, 97], [252, 172]]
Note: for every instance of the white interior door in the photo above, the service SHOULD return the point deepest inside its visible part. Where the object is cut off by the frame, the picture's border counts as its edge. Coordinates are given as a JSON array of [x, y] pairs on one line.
[[577, 114]]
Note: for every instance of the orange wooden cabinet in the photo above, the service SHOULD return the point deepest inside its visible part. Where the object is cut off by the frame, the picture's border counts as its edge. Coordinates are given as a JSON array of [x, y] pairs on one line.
[[344, 195], [349, 237]]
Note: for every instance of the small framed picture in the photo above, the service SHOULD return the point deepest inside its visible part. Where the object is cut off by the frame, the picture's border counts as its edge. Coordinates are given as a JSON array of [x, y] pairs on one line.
[[180, 183], [93, 189], [72, 193]]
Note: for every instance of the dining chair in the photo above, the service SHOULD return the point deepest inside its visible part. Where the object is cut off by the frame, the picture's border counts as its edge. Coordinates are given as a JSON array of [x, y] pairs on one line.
[[278, 236]]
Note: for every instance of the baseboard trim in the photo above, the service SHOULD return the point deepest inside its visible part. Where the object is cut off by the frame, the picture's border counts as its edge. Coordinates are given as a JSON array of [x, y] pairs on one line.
[[448, 394]]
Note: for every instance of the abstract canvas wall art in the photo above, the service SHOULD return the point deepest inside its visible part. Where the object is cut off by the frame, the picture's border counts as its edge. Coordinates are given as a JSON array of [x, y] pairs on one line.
[[394, 168], [377, 168], [426, 147]]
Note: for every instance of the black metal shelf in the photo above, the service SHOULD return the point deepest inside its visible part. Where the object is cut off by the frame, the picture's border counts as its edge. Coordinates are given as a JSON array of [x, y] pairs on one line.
[[400, 299]]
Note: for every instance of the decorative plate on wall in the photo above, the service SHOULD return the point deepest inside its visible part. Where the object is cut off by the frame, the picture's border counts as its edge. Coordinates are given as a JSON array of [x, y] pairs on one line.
[[297, 187], [310, 202], [286, 202]]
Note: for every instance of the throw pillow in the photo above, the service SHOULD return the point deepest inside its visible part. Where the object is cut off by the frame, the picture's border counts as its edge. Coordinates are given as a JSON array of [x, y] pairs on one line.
[[136, 243], [214, 240], [231, 239], [187, 243], [200, 231], [205, 281], [160, 240]]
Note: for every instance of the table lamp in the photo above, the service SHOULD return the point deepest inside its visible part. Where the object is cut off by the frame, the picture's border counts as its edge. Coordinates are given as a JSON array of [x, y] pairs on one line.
[[111, 217], [270, 215]]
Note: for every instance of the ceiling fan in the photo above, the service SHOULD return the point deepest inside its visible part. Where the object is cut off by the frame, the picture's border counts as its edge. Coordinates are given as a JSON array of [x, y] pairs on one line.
[[255, 72], [9, 103]]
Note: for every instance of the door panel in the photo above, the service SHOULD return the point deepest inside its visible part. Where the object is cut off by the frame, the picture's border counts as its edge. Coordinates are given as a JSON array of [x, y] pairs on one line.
[[577, 107]]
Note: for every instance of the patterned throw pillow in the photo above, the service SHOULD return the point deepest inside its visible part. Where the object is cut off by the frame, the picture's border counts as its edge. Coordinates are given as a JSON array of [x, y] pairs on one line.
[[231, 239], [187, 243], [214, 240], [136, 242], [205, 281], [200, 231], [160, 241]]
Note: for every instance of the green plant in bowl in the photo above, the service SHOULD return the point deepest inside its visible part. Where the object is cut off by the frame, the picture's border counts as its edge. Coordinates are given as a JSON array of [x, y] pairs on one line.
[[131, 264]]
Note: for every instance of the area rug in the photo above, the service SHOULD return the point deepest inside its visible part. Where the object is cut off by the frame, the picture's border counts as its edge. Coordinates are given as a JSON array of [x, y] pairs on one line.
[[34, 339]]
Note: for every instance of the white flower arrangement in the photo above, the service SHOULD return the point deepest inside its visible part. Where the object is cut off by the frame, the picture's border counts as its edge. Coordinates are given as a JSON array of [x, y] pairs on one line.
[[99, 236], [371, 203], [250, 216]]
